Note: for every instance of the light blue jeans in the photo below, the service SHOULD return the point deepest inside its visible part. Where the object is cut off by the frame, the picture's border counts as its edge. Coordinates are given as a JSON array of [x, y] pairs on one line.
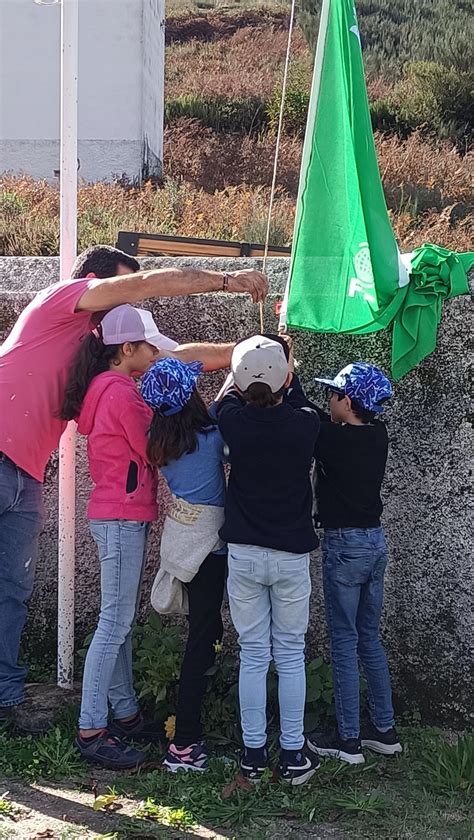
[[108, 674], [269, 603], [354, 563]]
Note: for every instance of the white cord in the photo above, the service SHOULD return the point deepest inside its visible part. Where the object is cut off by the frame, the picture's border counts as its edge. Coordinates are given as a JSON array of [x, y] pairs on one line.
[[277, 147]]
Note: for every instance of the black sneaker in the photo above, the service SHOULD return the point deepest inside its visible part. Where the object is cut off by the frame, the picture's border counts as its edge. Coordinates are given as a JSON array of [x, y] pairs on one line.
[[195, 757], [297, 766], [386, 743], [332, 744], [109, 751], [253, 763], [139, 729]]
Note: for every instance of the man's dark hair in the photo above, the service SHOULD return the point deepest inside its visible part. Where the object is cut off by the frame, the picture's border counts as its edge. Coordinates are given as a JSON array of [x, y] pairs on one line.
[[103, 261]]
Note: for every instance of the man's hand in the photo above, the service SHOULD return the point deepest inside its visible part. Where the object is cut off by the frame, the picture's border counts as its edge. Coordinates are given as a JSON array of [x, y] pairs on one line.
[[248, 280]]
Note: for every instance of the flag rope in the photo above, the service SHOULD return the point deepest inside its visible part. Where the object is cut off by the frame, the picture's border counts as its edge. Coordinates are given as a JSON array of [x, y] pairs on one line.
[[277, 147]]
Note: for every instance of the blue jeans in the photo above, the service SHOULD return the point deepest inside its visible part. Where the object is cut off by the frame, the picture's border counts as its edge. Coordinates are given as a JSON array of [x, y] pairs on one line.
[[269, 603], [21, 520], [108, 674], [354, 562]]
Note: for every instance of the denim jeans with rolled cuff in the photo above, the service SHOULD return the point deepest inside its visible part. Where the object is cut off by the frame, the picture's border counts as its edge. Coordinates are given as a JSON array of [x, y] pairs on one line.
[[354, 563]]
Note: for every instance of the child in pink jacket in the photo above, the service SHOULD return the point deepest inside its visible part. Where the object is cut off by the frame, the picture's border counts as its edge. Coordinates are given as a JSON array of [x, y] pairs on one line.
[[102, 395]]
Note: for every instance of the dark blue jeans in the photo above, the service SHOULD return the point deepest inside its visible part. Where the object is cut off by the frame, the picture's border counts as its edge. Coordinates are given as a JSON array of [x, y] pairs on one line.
[[21, 520], [354, 562]]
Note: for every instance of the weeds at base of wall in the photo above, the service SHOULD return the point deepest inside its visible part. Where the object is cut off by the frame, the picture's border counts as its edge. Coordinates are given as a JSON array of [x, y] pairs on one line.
[[387, 797], [158, 652], [422, 793]]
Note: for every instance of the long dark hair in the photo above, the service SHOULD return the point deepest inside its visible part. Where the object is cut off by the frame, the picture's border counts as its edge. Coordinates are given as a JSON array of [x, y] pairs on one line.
[[173, 436], [92, 358]]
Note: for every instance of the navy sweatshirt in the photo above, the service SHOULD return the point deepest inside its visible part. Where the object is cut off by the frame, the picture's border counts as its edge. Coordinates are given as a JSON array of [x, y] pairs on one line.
[[269, 497], [350, 466]]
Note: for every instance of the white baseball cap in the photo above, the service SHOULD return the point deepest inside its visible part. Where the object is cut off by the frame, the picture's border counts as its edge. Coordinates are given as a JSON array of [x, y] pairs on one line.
[[126, 323], [259, 359]]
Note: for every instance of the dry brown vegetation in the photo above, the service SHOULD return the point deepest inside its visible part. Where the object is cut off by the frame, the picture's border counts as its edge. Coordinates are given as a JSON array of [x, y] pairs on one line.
[[216, 25], [217, 186], [217, 183], [248, 63]]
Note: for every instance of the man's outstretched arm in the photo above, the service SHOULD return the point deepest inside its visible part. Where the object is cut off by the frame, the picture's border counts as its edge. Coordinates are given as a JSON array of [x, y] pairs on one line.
[[169, 282]]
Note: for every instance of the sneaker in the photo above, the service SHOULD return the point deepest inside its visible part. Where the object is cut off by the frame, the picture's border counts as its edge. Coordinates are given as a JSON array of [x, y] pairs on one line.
[[386, 743], [332, 744], [195, 757], [139, 729], [110, 752], [297, 766], [253, 763]]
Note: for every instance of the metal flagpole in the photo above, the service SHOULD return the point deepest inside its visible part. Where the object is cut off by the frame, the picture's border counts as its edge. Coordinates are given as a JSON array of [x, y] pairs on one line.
[[67, 255], [313, 102], [67, 251]]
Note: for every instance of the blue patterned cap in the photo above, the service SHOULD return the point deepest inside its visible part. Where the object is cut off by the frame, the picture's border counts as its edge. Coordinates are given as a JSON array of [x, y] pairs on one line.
[[168, 385], [364, 383]]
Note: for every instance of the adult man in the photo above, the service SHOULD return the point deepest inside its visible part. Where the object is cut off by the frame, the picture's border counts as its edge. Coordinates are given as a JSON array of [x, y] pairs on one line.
[[34, 361]]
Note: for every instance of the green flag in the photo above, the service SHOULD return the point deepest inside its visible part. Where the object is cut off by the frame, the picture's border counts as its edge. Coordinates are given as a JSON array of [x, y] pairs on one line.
[[435, 274], [345, 262], [346, 272]]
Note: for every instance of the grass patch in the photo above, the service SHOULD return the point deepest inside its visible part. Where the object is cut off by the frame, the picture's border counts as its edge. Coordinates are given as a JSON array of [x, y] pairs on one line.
[[7, 809], [451, 768], [399, 797], [173, 817]]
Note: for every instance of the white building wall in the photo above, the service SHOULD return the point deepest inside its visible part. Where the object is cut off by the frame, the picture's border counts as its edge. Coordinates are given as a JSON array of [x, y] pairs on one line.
[[153, 79], [121, 62]]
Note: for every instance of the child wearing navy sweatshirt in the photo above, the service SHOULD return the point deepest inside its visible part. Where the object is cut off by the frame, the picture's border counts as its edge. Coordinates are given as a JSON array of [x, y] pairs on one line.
[[269, 530]]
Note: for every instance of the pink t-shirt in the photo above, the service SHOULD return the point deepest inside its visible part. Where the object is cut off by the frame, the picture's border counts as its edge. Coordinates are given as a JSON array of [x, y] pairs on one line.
[[34, 363]]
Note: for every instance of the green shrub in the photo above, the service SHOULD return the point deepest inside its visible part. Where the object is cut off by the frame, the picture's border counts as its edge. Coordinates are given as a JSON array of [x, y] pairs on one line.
[[439, 97], [221, 113], [157, 656], [296, 102], [11, 205], [383, 115]]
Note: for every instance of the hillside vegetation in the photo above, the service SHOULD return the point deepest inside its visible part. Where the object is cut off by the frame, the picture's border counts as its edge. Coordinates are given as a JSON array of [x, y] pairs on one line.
[[222, 97]]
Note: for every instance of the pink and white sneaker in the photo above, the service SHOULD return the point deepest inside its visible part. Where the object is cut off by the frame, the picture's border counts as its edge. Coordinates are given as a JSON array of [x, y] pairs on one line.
[[194, 757]]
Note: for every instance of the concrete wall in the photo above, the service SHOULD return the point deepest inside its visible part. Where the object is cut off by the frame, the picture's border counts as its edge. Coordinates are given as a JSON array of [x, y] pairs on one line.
[[121, 65], [428, 491]]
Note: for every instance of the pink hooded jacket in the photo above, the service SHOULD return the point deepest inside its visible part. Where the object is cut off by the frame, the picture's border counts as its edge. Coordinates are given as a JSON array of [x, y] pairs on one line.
[[116, 421]]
